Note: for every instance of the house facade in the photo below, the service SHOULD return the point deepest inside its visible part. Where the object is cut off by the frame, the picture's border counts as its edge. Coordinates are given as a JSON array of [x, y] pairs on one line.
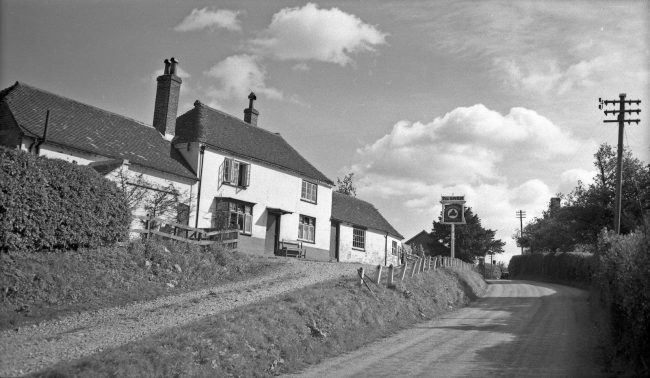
[[231, 172], [359, 233]]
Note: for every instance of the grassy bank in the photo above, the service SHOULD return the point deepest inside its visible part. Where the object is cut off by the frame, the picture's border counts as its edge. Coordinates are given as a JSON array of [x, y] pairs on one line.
[[282, 334], [45, 285]]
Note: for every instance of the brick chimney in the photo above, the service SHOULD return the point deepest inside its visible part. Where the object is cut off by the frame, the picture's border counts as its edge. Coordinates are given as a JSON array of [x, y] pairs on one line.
[[250, 114], [169, 87], [554, 206]]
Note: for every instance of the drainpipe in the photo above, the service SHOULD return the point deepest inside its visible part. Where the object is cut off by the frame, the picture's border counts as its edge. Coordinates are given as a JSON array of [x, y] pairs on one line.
[[386, 250], [198, 196], [37, 143]]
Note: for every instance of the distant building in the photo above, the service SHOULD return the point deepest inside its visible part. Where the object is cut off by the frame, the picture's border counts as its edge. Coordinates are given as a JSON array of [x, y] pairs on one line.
[[431, 246]]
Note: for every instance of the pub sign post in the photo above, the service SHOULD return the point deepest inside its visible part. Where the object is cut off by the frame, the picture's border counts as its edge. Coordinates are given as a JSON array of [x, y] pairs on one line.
[[453, 213]]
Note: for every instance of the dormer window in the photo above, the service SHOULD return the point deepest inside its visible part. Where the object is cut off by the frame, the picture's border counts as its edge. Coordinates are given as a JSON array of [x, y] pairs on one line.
[[236, 173]]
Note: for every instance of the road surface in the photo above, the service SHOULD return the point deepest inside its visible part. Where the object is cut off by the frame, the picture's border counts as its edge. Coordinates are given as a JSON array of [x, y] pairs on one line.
[[517, 329]]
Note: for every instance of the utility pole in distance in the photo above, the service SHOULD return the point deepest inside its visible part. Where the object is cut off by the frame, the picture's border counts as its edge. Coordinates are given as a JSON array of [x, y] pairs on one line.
[[521, 214], [619, 164]]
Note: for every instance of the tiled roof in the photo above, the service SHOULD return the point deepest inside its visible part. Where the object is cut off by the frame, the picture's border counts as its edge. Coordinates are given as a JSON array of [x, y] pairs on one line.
[[89, 129], [225, 132], [353, 210]]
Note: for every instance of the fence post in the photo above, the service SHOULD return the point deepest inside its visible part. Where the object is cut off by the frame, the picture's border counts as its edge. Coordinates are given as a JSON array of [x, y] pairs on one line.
[[148, 224], [391, 270], [415, 266], [378, 274], [404, 270], [429, 263], [361, 273]]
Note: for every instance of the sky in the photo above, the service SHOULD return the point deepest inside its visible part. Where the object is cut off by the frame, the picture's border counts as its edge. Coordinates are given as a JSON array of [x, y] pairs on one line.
[[497, 101]]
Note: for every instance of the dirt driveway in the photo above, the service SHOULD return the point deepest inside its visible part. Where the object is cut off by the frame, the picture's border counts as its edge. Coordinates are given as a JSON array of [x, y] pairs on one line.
[[517, 329]]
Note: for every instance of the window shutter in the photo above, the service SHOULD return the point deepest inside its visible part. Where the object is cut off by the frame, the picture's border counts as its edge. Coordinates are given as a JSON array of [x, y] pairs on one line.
[[234, 176], [227, 169], [315, 193], [220, 177], [247, 182]]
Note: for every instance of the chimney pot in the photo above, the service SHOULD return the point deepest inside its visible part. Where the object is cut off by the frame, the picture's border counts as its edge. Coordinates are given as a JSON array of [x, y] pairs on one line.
[[173, 67], [167, 64]]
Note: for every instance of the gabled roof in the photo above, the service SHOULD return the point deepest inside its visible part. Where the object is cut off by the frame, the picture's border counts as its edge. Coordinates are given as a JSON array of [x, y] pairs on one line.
[[225, 132], [421, 233], [93, 130], [350, 209]]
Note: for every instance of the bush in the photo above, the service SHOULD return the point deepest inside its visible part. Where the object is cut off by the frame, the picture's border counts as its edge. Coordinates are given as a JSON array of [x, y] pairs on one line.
[[50, 203], [624, 284]]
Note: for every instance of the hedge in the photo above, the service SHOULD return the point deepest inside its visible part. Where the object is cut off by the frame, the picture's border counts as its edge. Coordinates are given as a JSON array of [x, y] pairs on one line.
[[50, 203], [565, 266]]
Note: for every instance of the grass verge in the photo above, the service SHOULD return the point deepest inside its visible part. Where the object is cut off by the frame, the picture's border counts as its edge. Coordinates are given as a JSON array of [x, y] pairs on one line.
[[282, 334], [46, 285]]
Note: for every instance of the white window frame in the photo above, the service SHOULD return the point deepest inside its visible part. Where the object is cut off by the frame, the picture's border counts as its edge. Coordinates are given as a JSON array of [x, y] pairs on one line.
[[358, 239], [309, 192], [395, 248], [238, 214], [235, 173], [307, 229]]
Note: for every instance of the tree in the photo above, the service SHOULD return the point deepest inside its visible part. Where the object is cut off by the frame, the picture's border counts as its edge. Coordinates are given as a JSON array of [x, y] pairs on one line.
[[161, 201], [590, 208], [472, 239], [346, 186]]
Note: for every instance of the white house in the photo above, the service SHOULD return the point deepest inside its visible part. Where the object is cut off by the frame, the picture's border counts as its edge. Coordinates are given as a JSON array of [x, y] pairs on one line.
[[361, 234], [231, 170]]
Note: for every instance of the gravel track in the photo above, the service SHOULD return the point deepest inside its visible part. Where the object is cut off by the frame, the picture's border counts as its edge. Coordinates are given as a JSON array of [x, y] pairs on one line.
[[39, 346]]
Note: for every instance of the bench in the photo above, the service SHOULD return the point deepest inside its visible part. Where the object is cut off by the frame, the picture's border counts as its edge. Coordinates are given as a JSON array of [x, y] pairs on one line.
[[291, 248]]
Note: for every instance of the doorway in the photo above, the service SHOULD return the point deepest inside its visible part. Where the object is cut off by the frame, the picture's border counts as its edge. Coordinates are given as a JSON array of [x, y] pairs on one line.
[[272, 234]]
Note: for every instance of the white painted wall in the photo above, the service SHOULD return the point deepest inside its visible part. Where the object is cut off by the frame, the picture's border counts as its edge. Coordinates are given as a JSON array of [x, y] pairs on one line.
[[374, 251], [269, 187]]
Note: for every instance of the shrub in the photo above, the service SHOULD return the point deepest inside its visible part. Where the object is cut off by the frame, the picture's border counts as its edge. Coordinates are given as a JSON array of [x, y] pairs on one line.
[[50, 203], [624, 284]]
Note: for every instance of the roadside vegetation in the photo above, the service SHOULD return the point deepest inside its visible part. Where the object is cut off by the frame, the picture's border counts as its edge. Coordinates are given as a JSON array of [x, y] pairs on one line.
[[46, 285], [283, 334]]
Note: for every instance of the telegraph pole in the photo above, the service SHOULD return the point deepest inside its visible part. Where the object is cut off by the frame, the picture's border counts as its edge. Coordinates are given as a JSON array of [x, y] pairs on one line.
[[619, 164], [521, 214]]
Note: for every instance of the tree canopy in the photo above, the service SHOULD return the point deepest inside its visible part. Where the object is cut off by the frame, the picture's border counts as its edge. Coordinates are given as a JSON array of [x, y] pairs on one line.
[[347, 185], [472, 239], [590, 208]]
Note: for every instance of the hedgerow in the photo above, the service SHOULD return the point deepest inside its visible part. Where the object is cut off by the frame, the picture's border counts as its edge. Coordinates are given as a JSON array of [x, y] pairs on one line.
[[50, 203], [564, 266]]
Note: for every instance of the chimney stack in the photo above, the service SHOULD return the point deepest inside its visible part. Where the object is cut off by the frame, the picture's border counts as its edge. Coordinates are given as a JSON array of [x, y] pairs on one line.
[[166, 106], [250, 114]]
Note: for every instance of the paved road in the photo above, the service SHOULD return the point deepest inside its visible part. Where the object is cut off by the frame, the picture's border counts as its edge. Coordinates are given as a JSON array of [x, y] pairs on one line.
[[517, 329]]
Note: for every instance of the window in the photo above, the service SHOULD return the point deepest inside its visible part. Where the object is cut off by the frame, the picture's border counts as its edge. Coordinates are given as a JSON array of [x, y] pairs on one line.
[[234, 172], [306, 228], [395, 249], [234, 215], [309, 191], [358, 238]]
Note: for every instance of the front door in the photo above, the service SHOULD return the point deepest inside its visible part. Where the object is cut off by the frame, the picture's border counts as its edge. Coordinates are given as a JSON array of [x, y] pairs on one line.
[[334, 241], [271, 241]]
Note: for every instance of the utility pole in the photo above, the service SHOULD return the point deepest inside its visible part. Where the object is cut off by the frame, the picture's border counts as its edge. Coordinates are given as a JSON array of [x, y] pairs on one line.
[[521, 214], [619, 164]]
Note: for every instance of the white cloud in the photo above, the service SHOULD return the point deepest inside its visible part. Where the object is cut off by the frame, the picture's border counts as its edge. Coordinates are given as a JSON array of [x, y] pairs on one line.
[[208, 18], [238, 76], [571, 177], [328, 35]]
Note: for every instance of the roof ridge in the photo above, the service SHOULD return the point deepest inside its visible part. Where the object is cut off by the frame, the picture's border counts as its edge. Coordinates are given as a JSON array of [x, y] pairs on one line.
[[237, 119], [82, 103]]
